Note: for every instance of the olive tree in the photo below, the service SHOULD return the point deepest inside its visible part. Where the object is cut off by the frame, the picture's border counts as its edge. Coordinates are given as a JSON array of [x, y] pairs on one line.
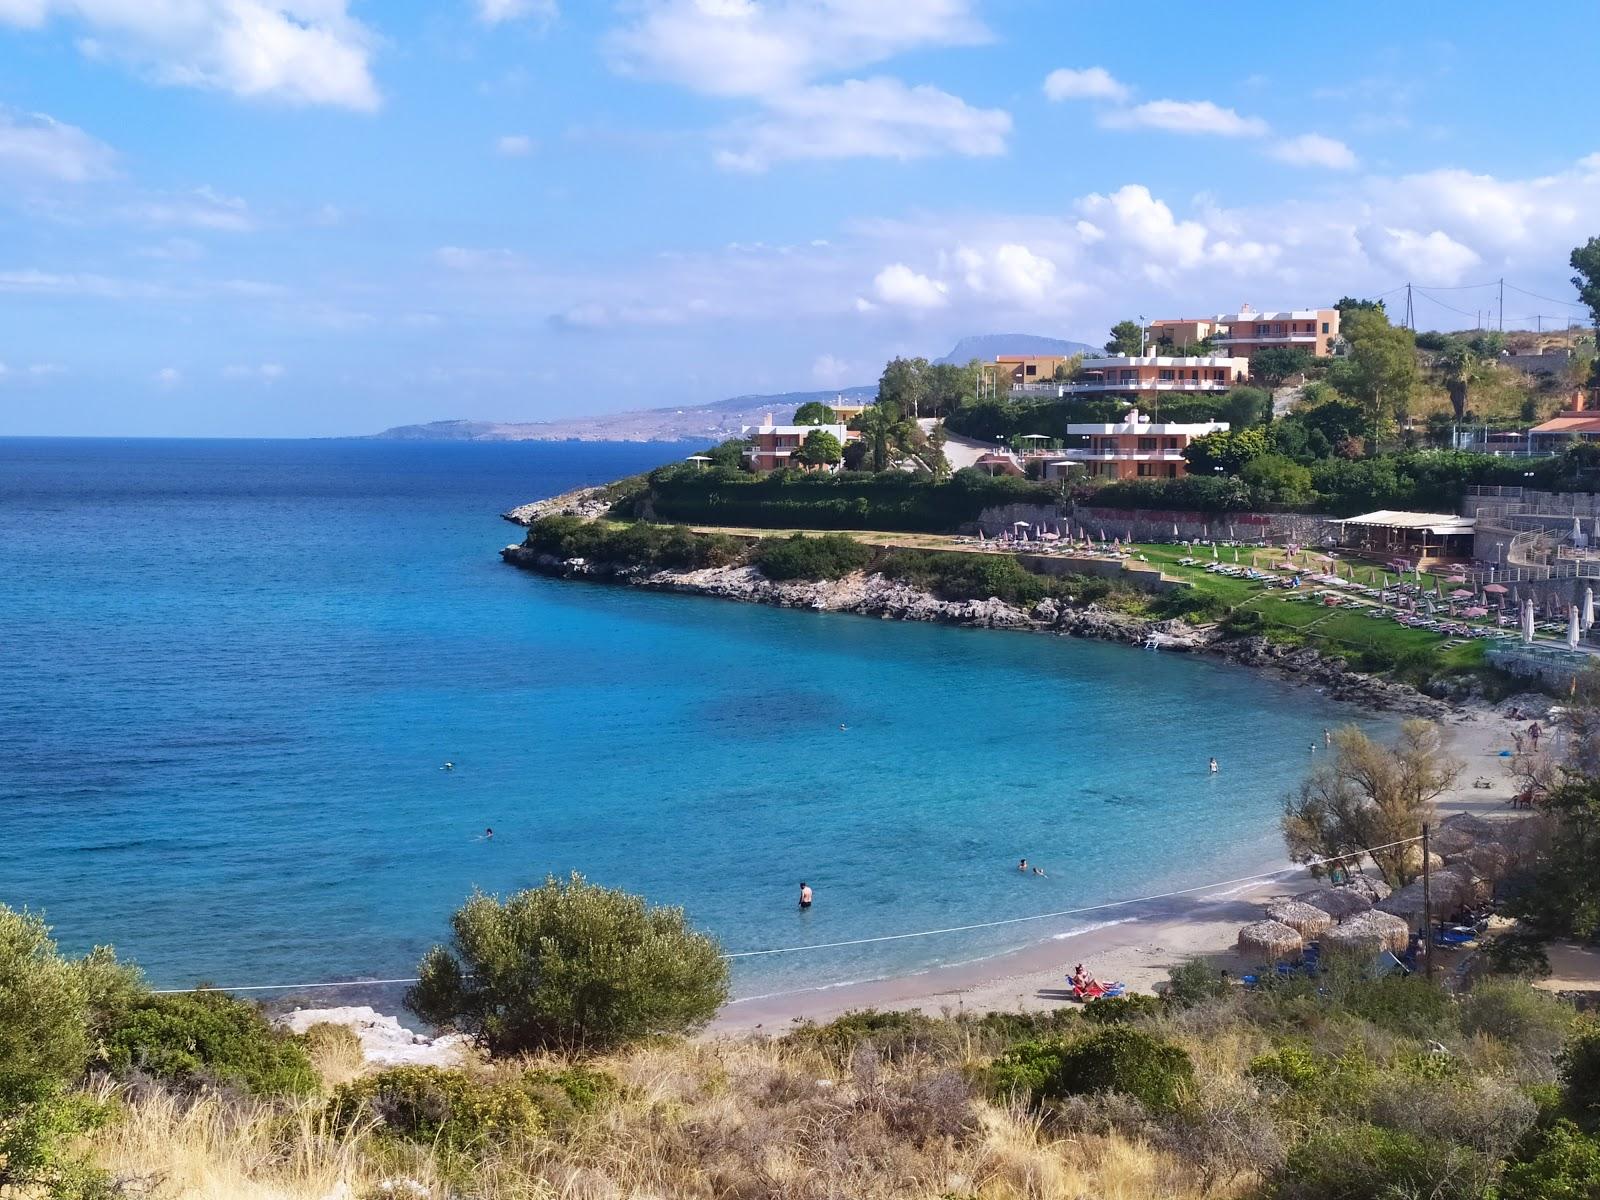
[[1366, 796], [569, 965]]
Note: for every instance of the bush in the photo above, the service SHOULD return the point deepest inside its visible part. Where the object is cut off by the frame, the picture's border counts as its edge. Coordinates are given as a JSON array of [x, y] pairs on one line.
[[1118, 1010], [639, 544], [831, 556], [1195, 982], [570, 965], [207, 1038], [1559, 1163], [439, 1107], [893, 1035], [1521, 1016], [974, 576], [1580, 1069], [39, 1120], [1118, 1058], [1360, 1162]]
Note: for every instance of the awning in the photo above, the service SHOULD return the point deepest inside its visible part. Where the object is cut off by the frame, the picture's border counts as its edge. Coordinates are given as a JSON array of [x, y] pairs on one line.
[[1438, 524]]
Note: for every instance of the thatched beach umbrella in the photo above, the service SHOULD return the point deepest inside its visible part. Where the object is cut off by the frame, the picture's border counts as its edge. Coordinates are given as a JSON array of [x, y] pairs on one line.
[[1338, 903], [1369, 933], [1373, 889], [1270, 941], [1299, 916], [1451, 840], [1409, 902], [1488, 859], [1473, 825]]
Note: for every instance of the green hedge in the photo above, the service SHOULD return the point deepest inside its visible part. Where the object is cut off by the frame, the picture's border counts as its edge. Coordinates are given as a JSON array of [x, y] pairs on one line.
[[831, 556], [979, 576], [658, 547], [208, 1038], [892, 500]]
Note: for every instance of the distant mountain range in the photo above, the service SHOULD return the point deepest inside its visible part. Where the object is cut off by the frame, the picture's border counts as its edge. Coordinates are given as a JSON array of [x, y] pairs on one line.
[[706, 422]]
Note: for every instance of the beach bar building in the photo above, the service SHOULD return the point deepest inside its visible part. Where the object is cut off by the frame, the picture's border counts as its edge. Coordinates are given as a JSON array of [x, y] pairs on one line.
[[1133, 448], [1419, 537]]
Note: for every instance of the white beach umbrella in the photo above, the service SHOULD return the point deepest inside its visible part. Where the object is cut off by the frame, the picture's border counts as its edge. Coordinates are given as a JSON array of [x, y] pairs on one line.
[[1573, 633], [1527, 620], [1588, 609], [1579, 539]]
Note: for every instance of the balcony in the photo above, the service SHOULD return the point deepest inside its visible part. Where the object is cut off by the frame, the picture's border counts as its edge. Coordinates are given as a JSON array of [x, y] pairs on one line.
[[1161, 456], [1150, 385], [1282, 339]]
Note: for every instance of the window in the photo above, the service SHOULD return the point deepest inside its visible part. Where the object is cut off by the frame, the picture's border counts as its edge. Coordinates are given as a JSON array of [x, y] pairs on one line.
[[1218, 376], [1194, 374], [1031, 369], [1147, 469], [1166, 376], [1324, 327], [1170, 443], [1149, 443]]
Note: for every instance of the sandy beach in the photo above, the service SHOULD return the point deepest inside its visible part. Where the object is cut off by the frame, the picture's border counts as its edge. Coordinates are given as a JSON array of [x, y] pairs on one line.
[[1137, 944]]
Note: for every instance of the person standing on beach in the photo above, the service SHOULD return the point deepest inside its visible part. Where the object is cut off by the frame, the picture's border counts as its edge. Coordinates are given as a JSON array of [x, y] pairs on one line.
[[805, 895]]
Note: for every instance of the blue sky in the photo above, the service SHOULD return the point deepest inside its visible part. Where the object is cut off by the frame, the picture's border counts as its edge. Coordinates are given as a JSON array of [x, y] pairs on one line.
[[311, 217]]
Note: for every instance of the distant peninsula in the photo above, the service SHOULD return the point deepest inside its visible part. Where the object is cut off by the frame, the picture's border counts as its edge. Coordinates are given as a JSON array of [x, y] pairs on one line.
[[706, 422]]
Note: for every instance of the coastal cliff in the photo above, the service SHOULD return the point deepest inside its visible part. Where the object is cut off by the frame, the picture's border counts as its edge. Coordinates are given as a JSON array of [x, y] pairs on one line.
[[873, 595]]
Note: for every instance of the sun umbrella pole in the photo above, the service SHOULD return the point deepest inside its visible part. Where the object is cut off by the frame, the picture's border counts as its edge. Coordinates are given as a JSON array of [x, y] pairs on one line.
[[1427, 904]]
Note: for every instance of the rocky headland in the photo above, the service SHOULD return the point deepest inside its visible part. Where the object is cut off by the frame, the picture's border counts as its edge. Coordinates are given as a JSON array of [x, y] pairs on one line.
[[874, 595]]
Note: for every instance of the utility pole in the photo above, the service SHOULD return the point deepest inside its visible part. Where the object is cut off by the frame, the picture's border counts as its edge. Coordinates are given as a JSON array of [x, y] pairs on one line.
[[1427, 904], [1502, 304], [1142, 332], [1411, 321]]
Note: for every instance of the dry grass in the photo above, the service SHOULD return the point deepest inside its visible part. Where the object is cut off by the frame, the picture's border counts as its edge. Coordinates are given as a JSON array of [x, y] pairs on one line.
[[729, 1120]]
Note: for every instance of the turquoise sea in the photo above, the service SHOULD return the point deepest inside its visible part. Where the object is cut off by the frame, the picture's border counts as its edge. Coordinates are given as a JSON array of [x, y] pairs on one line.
[[231, 670]]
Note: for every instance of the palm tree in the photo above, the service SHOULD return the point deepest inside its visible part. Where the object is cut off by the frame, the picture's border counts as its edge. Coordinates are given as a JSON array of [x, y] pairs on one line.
[[1459, 368]]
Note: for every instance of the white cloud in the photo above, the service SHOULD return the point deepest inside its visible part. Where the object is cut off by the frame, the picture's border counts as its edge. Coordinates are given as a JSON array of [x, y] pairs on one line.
[[173, 249], [37, 147], [831, 372], [865, 118], [744, 48], [898, 286], [466, 258], [514, 145], [1315, 150], [1089, 83], [1011, 273], [198, 208], [261, 372], [497, 12], [1435, 256], [1184, 116], [1132, 217], [303, 52], [168, 377]]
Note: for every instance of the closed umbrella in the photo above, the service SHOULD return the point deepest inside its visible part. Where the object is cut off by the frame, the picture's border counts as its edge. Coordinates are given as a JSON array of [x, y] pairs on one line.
[[1236, 554], [1527, 620], [1588, 608], [1213, 552], [1573, 633]]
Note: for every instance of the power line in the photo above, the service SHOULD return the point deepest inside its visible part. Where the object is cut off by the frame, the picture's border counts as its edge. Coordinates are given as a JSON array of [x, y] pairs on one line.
[[1551, 299], [888, 937]]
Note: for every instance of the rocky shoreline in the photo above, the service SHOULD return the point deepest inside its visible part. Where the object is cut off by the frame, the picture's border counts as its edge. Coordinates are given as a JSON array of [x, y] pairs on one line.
[[872, 595]]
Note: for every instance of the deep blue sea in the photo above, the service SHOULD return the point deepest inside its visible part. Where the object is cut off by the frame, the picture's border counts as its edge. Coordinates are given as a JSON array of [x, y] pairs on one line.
[[231, 670]]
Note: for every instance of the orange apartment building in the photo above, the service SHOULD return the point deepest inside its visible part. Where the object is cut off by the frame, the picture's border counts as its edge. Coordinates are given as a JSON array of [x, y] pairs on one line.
[[1135, 447], [1137, 378], [1311, 329]]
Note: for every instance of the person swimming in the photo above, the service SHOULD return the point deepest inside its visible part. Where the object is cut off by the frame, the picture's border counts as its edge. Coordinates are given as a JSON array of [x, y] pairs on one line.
[[805, 894], [488, 834], [1022, 866], [1039, 871], [448, 766], [1213, 766]]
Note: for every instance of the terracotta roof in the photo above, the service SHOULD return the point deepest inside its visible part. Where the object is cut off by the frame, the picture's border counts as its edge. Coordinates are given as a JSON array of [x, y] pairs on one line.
[[1586, 424]]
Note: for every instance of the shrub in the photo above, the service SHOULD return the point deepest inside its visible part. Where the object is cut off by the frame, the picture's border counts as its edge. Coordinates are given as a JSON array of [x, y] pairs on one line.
[[439, 1107], [1360, 1162], [203, 1038], [1580, 1068], [1195, 982], [831, 556], [1559, 1163], [1516, 953], [39, 1120], [1116, 1010], [1117, 1058], [1517, 1014], [572, 965], [893, 1035]]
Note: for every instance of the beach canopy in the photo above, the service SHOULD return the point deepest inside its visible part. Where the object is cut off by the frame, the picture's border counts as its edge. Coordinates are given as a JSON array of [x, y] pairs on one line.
[[1338, 903], [1364, 885], [1475, 611], [1408, 901], [1370, 933], [1496, 589], [1460, 593], [1270, 941], [1299, 916]]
